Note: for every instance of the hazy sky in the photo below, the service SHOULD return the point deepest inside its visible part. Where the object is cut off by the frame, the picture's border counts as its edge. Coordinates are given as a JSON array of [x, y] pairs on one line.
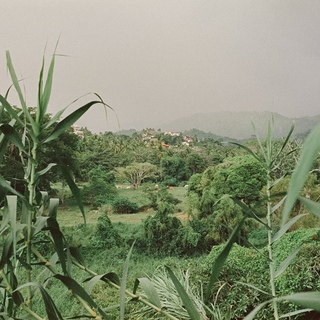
[[153, 60]]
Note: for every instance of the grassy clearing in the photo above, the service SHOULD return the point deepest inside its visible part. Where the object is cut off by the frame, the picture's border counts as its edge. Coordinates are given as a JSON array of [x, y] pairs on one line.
[[70, 215]]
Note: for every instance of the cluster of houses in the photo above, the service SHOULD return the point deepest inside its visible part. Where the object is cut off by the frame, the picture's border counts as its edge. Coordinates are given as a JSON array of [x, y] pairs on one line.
[[151, 135], [148, 136]]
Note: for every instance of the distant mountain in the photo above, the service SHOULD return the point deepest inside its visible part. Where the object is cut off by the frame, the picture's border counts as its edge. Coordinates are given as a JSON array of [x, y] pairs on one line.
[[237, 125]]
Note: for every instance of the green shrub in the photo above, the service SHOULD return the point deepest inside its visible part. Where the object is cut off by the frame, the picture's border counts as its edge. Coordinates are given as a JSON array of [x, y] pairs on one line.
[[106, 235], [124, 205], [247, 265]]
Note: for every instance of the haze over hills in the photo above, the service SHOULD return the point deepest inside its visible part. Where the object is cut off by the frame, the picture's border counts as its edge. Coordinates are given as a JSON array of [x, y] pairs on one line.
[[237, 125]]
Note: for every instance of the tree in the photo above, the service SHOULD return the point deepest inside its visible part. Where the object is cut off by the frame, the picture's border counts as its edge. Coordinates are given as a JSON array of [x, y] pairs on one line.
[[174, 170], [136, 173]]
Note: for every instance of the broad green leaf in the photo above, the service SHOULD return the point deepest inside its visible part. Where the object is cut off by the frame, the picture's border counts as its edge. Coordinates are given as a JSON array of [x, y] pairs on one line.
[[286, 140], [278, 205], [253, 313], [187, 302], [7, 186], [6, 251], [253, 287], [249, 212], [286, 227], [53, 207], [312, 206], [294, 313], [221, 258], [309, 152], [70, 120], [305, 299], [51, 309], [12, 209], [13, 113], [77, 290], [107, 277], [13, 136], [39, 224], [44, 95], [285, 263], [248, 150], [57, 236], [15, 82], [66, 172], [149, 289], [44, 171], [124, 283]]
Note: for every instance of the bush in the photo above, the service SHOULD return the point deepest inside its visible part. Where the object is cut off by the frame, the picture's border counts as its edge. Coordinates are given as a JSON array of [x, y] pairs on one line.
[[249, 266], [106, 235], [124, 205]]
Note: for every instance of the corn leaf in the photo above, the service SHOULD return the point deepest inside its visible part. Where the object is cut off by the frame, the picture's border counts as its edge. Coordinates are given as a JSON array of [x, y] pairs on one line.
[[15, 82], [286, 227], [149, 289], [57, 236], [44, 171], [253, 313], [13, 136], [66, 172], [51, 309], [187, 302], [312, 206], [44, 94], [53, 207], [305, 299], [285, 263], [6, 251], [124, 284], [221, 259], [77, 290], [294, 313], [107, 277], [69, 121], [309, 152]]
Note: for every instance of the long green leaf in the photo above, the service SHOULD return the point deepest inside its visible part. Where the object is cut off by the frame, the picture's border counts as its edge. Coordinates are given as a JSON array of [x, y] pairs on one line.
[[57, 236], [221, 259], [305, 299], [13, 113], [51, 309], [294, 313], [7, 251], [70, 120], [248, 150], [91, 282], [312, 206], [253, 313], [309, 152], [44, 94], [7, 186], [285, 263], [149, 289], [53, 207], [15, 82], [77, 290], [66, 172], [187, 302], [286, 227], [13, 136], [124, 284], [44, 171]]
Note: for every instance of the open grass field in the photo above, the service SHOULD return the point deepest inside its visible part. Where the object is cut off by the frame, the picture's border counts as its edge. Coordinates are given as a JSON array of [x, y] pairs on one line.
[[69, 214]]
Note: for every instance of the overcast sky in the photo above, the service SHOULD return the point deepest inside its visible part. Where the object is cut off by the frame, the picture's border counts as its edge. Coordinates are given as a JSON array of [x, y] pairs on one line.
[[157, 60]]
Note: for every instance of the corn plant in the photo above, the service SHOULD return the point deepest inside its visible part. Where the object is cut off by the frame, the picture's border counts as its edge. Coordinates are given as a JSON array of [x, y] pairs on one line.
[[271, 158], [19, 250]]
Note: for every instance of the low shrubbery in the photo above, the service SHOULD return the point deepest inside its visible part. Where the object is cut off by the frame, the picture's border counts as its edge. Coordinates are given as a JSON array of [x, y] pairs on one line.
[[247, 266]]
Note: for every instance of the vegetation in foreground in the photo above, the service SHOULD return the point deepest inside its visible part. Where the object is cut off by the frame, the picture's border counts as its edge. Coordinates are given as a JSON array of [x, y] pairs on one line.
[[236, 197]]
